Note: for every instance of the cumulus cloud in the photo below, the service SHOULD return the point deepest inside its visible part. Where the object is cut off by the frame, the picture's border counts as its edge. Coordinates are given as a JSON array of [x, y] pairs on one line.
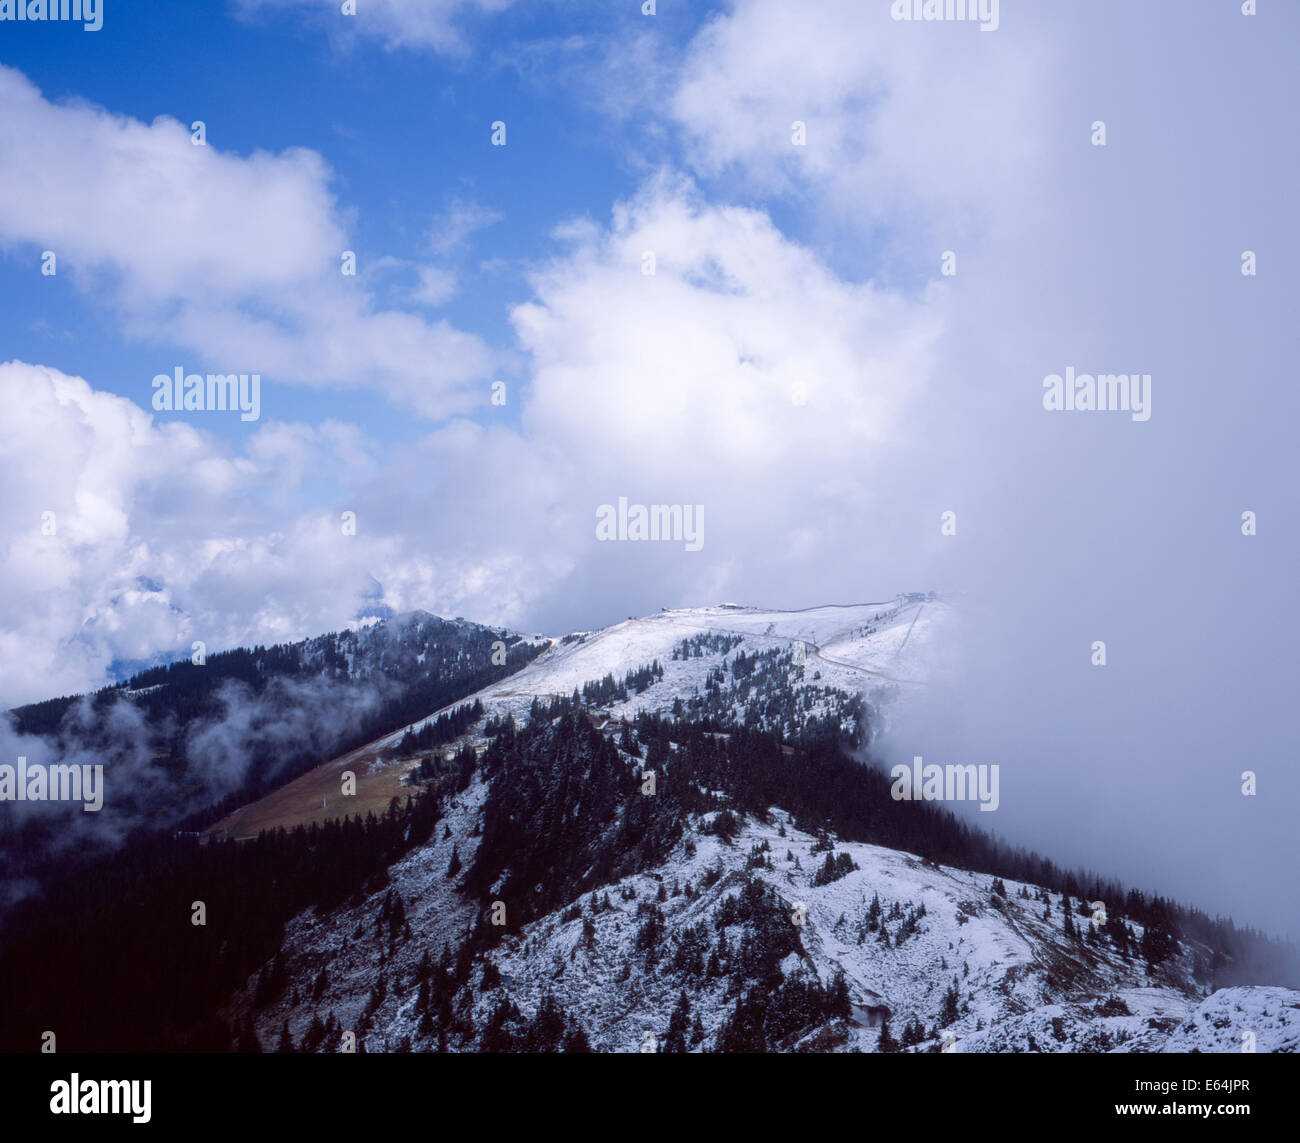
[[919, 125], [125, 538], [763, 333], [742, 374], [238, 259]]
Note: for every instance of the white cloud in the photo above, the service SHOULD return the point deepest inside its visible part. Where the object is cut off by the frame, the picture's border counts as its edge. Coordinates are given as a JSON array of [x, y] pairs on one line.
[[743, 375], [919, 125], [152, 534], [693, 372], [453, 226], [161, 535], [436, 285], [235, 259], [924, 137]]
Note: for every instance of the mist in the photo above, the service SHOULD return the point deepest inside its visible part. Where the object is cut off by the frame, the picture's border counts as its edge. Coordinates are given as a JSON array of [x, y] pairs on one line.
[[289, 716]]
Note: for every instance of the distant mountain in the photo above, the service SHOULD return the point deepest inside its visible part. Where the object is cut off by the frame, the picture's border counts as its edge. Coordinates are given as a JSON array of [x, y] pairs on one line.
[[414, 654], [181, 742]]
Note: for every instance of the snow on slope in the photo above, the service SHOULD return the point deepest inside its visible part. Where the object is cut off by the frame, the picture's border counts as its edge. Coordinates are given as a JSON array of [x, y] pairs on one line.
[[1023, 985], [1006, 960], [866, 648], [1220, 1022]]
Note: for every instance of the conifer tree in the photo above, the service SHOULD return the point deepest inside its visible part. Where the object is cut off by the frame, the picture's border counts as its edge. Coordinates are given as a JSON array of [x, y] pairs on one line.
[[575, 1040], [678, 1025], [951, 1000], [887, 1042]]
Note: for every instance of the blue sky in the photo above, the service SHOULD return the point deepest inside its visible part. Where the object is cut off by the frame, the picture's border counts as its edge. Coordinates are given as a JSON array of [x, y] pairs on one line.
[[405, 131], [782, 268]]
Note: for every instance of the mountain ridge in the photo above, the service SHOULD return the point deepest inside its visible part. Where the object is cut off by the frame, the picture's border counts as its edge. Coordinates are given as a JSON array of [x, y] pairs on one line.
[[658, 829]]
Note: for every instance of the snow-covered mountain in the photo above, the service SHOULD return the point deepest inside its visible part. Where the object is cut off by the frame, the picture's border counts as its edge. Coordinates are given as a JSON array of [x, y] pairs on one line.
[[608, 874], [1021, 985]]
